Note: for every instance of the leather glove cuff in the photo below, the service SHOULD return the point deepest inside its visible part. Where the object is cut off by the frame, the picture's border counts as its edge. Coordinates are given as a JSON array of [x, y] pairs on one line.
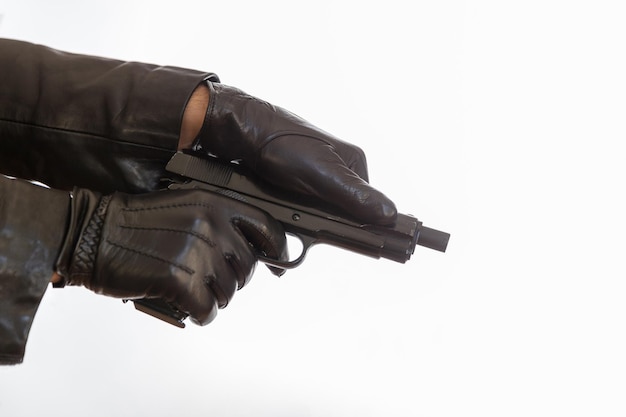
[[237, 125], [76, 260], [221, 133]]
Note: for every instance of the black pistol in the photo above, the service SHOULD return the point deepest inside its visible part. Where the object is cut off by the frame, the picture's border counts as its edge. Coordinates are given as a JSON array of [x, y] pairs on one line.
[[310, 221]]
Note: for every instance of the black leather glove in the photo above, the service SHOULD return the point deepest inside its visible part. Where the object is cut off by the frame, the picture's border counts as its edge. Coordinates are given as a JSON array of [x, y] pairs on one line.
[[191, 248], [291, 153]]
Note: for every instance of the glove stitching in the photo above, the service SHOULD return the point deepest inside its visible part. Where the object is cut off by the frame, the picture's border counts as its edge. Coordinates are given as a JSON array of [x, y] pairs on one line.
[[85, 255], [200, 236], [150, 255]]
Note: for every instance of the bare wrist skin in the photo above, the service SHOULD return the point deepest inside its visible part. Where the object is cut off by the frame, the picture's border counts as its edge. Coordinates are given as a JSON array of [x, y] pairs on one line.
[[193, 117]]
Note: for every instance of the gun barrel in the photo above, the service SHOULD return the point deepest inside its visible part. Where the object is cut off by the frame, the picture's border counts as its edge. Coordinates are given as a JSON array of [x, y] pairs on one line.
[[433, 239], [310, 223]]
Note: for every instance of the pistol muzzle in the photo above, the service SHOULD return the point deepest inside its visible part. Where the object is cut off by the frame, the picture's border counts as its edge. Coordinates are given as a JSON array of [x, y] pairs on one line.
[[433, 239]]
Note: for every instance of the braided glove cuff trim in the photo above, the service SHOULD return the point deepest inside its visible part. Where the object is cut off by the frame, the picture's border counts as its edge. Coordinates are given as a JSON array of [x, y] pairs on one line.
[[85, 254], [83, 207]]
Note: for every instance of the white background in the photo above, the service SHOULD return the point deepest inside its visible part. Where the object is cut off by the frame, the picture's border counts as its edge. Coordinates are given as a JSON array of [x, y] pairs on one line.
[[497, 121]]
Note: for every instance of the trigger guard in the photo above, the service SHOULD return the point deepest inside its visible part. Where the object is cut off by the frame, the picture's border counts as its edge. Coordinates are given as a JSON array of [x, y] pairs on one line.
[[307, 242]]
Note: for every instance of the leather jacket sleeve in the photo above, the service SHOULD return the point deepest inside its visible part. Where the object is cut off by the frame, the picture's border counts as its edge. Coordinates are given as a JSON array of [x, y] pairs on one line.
[[75, 120], [32, 226]]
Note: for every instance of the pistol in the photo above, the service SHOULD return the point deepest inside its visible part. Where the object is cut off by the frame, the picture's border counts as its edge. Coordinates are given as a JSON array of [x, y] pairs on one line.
[[312, 222]]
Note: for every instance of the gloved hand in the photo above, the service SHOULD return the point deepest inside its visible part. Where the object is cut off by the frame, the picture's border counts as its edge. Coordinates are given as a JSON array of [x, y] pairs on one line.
[[291, 153], [191, 248]]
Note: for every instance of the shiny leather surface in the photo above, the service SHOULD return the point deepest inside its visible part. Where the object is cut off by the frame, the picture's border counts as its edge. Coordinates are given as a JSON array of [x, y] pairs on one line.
[[32, 226], [291, 153], [191, 248], [74, 120]]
